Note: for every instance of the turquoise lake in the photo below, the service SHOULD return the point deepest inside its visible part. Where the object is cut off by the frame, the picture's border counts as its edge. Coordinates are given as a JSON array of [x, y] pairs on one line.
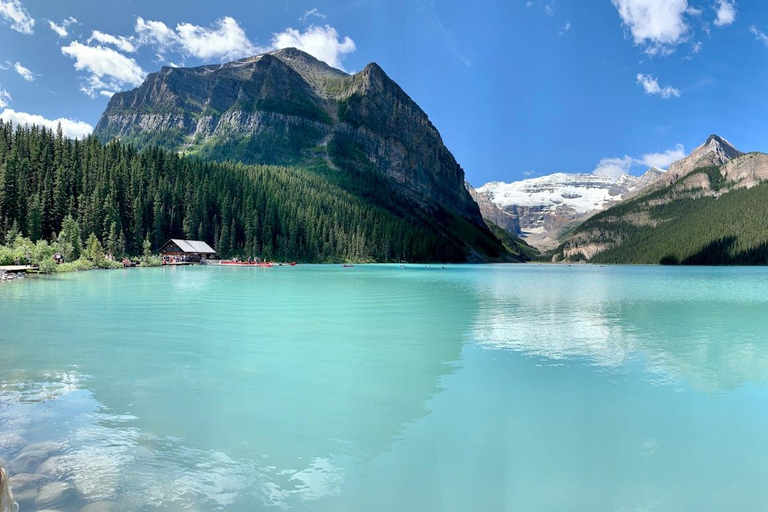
[[320, 388]]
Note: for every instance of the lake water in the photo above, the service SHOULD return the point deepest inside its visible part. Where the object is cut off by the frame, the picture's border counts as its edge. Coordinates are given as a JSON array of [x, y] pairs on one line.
[[470, 388]]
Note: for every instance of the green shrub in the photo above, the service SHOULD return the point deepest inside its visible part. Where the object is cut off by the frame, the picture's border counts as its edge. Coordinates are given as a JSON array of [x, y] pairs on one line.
[[75, 266], [47, 266], [151, 261], [109, 264]]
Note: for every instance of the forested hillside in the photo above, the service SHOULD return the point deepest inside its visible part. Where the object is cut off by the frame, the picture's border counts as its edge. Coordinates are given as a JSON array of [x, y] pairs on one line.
[[288, 108], [713, 215], [124, 197]]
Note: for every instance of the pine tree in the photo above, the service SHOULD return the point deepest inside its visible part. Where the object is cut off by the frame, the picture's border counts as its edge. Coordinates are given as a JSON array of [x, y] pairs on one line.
[[70, 234]]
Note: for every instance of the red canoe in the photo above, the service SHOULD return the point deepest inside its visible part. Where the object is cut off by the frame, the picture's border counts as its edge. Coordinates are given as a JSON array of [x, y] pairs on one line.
[[245, 263]]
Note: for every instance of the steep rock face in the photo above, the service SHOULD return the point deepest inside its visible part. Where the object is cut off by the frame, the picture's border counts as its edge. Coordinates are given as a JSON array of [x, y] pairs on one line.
[[746, 170], [547, 205], [389, 131], [286, 107], [492, 213], [696, 202]]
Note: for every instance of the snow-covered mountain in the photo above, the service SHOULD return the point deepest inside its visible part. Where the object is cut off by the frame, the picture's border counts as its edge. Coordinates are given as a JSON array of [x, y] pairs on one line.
[[546, 205]]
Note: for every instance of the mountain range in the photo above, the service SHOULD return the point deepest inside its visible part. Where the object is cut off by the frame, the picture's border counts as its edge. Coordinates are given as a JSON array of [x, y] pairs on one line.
[[365, 135], [541, 209], [710, 207]]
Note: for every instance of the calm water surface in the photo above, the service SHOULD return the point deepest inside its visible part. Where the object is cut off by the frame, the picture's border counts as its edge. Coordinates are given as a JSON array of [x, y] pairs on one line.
[[473, 388]]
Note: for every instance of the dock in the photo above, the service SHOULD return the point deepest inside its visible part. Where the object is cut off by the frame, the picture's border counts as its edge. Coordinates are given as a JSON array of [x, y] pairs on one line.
[[18, 268]]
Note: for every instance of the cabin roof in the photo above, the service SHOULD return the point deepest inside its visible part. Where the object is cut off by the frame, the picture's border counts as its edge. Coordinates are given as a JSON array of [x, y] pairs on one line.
[[194, 246]]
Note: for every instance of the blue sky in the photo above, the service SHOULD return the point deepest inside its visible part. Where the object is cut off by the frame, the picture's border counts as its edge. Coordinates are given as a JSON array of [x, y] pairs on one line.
[[517, 88]]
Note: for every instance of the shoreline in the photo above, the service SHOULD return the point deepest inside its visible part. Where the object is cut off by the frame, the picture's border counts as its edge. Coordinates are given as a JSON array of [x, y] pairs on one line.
[[7, 277]]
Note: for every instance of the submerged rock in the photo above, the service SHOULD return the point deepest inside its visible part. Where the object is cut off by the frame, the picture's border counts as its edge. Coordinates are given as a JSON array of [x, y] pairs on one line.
[[51, 466], [53, 492], [27, 462], [99, 506], [45, 446], [11, 443], [23, 481], [32, 456], [26, 496]]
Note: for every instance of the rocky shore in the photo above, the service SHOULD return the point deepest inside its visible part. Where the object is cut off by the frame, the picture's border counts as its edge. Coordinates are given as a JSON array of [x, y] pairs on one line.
[[11, 276]]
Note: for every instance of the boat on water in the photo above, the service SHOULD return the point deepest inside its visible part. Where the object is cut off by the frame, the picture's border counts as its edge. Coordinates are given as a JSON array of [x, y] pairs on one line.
[[347, 265], [241, 263], [236, 263]]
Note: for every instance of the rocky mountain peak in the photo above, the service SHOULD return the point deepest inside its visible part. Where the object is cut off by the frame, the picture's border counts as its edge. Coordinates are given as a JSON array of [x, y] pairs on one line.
[[373, 68], [721, 147], [716, 138], [715, 151], [315, 72], [372, 77]]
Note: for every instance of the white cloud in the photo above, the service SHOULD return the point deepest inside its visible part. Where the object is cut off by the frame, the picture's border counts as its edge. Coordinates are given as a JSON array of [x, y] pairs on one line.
[[696, 48], [155, 33], [760, 36], [14, 13], [108, 70], [225, 40], [70, 127], [5, 98], [726, 13], [312, 12], [660, 25], [616, 167], [323, 43], [662, 160], [652, 87], [119, 42], [613, 167], [59, 29], [25, 73], [62, 30]]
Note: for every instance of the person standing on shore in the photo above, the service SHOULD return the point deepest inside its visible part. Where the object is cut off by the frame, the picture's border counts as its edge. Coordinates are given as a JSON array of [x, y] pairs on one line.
[[6, 497]]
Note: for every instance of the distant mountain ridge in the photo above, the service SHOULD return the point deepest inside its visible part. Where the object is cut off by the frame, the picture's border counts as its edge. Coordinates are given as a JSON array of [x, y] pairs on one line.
[[288, 108], [544, 206], [711, 207]]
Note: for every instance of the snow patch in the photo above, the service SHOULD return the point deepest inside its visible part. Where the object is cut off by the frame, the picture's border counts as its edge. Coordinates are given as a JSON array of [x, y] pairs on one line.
[[582, 192]]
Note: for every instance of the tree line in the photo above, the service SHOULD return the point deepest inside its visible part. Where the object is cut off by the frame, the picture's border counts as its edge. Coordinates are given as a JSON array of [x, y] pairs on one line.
[[127, 198]]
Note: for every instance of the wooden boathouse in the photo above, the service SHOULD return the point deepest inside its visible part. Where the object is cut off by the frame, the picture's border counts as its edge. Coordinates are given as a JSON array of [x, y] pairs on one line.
[[184, 252]]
